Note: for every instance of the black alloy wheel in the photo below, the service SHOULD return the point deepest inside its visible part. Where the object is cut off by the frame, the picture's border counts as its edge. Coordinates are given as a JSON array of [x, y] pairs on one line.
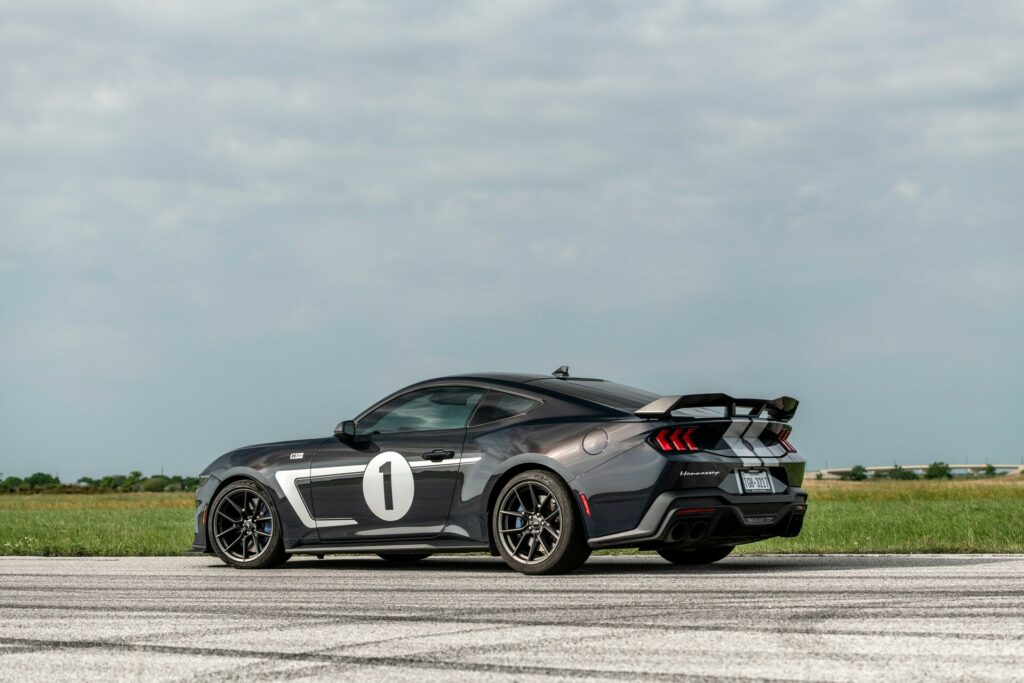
[[244, 528], [536, 526]]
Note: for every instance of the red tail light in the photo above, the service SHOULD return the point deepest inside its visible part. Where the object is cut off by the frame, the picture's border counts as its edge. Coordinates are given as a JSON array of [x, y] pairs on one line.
[[675, 440], [784, 440]]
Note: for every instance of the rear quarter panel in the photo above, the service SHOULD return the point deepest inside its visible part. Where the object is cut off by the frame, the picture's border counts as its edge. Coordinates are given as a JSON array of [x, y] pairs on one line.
[[556, 446]]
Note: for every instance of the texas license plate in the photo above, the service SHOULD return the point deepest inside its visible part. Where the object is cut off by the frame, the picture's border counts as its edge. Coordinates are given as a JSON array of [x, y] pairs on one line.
[[756, 481]]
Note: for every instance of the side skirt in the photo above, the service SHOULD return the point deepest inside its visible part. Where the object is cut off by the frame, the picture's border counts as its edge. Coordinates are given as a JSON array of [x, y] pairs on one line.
[[416, 547]]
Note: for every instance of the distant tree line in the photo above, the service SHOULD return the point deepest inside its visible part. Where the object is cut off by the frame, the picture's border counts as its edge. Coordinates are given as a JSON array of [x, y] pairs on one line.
[[124, 483], [937, 470]]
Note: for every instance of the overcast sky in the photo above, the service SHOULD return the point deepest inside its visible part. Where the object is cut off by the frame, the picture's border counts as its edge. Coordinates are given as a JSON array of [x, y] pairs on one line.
[[228, 223]]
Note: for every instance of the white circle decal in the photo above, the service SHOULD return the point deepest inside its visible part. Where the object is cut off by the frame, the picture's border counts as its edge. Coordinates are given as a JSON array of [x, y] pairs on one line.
[[388, 486]]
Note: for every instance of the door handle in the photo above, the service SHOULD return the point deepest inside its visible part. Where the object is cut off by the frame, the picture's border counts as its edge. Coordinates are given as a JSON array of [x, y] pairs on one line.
[[438, 454]]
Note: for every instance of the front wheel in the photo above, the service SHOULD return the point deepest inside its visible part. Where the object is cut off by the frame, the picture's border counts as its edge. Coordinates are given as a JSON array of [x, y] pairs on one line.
[[244, 528], [697, 556], [536, 527]]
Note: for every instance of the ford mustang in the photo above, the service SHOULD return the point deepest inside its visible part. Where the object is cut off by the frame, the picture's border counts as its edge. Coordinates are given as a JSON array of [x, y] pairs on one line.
[[539, 469]]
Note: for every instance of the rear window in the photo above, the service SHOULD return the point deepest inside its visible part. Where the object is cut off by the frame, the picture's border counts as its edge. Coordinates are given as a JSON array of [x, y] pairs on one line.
[[498, 406], [610, 394]]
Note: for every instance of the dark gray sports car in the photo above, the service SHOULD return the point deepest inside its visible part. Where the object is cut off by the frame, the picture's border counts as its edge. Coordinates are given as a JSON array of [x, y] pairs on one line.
[[540, 469]]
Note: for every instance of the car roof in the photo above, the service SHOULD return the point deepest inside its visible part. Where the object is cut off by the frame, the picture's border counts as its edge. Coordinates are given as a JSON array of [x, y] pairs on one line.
[[502, 377], [524, 379], [590, 390]]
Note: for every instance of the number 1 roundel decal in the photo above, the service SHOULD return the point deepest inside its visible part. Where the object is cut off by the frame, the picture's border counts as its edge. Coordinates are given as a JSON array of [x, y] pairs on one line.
[[388, 486]]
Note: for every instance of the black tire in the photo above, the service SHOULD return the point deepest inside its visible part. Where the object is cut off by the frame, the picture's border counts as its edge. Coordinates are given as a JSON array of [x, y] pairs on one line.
[[243, 527], [536, 526], [402, 558], [696, 556]]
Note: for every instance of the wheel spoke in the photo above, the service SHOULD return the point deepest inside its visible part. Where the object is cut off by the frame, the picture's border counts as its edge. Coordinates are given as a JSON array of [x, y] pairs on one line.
[[235, 505], [226, 531], [540, 542], [515, 551], [533, 498], [520, 515], [533, 548], [263, 519], [229, 545], [226, 516], [512, 531], [520, 499], [551, 516], [262, 533]]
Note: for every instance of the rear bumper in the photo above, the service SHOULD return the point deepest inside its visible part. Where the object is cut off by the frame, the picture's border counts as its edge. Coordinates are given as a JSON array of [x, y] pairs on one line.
[[702, 517]]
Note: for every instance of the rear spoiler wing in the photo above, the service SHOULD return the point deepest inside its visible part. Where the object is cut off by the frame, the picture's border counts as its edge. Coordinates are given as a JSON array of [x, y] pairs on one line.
[[782, 408]]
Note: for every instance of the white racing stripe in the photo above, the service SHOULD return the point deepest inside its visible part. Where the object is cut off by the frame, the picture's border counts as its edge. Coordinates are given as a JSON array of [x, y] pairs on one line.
[[753, 437], [416, 465], [733, 439], [288, 481]]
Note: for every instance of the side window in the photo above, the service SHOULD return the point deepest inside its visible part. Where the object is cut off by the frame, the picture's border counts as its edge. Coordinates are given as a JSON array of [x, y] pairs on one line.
[[425, 410], [498, 405]]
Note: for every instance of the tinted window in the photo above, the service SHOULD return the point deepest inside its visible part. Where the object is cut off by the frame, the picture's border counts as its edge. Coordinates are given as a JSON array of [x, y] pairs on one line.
[[498, 405], [610, 394], [423, 411]]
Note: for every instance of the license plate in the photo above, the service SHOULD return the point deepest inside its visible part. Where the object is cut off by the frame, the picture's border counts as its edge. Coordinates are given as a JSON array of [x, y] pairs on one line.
[[756, 481]]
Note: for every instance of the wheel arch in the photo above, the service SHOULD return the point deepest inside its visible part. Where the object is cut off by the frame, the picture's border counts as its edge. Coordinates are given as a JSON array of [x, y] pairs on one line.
[[239, 474], [507, 475], [230, 477]]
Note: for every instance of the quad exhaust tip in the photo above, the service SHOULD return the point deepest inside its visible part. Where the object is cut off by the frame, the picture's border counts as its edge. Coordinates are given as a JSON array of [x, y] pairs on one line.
[[690, 531]]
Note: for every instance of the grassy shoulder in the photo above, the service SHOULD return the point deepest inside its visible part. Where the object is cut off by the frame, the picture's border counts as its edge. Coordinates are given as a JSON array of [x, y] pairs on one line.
[[947, 516], [99, 524], [958, 516]]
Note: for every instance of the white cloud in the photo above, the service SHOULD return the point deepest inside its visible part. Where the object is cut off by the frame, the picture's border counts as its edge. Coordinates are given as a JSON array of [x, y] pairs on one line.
[[907, 190]]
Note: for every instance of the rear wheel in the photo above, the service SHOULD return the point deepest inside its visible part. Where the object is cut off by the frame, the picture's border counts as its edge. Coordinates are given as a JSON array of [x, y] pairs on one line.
[[536, 527], [244, 527], [696, 556], [400, 558]]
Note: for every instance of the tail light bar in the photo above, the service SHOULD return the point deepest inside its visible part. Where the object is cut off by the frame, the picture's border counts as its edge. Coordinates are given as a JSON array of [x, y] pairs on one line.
[[675, 440], [784, 440]]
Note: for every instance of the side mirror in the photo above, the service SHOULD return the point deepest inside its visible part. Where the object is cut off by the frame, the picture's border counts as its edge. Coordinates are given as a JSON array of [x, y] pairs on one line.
[[346, 430]]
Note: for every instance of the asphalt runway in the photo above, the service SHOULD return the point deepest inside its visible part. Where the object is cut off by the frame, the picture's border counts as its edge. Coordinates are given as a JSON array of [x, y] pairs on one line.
[[824, 618]]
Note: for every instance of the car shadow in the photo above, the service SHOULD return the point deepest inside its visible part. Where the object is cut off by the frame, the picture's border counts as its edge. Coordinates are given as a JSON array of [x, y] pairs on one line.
[[610, 565], [752, 564]]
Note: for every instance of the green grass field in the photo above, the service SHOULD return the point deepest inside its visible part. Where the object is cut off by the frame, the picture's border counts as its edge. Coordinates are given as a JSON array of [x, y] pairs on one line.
[[97, 524], [958, 516], [968, 516]]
